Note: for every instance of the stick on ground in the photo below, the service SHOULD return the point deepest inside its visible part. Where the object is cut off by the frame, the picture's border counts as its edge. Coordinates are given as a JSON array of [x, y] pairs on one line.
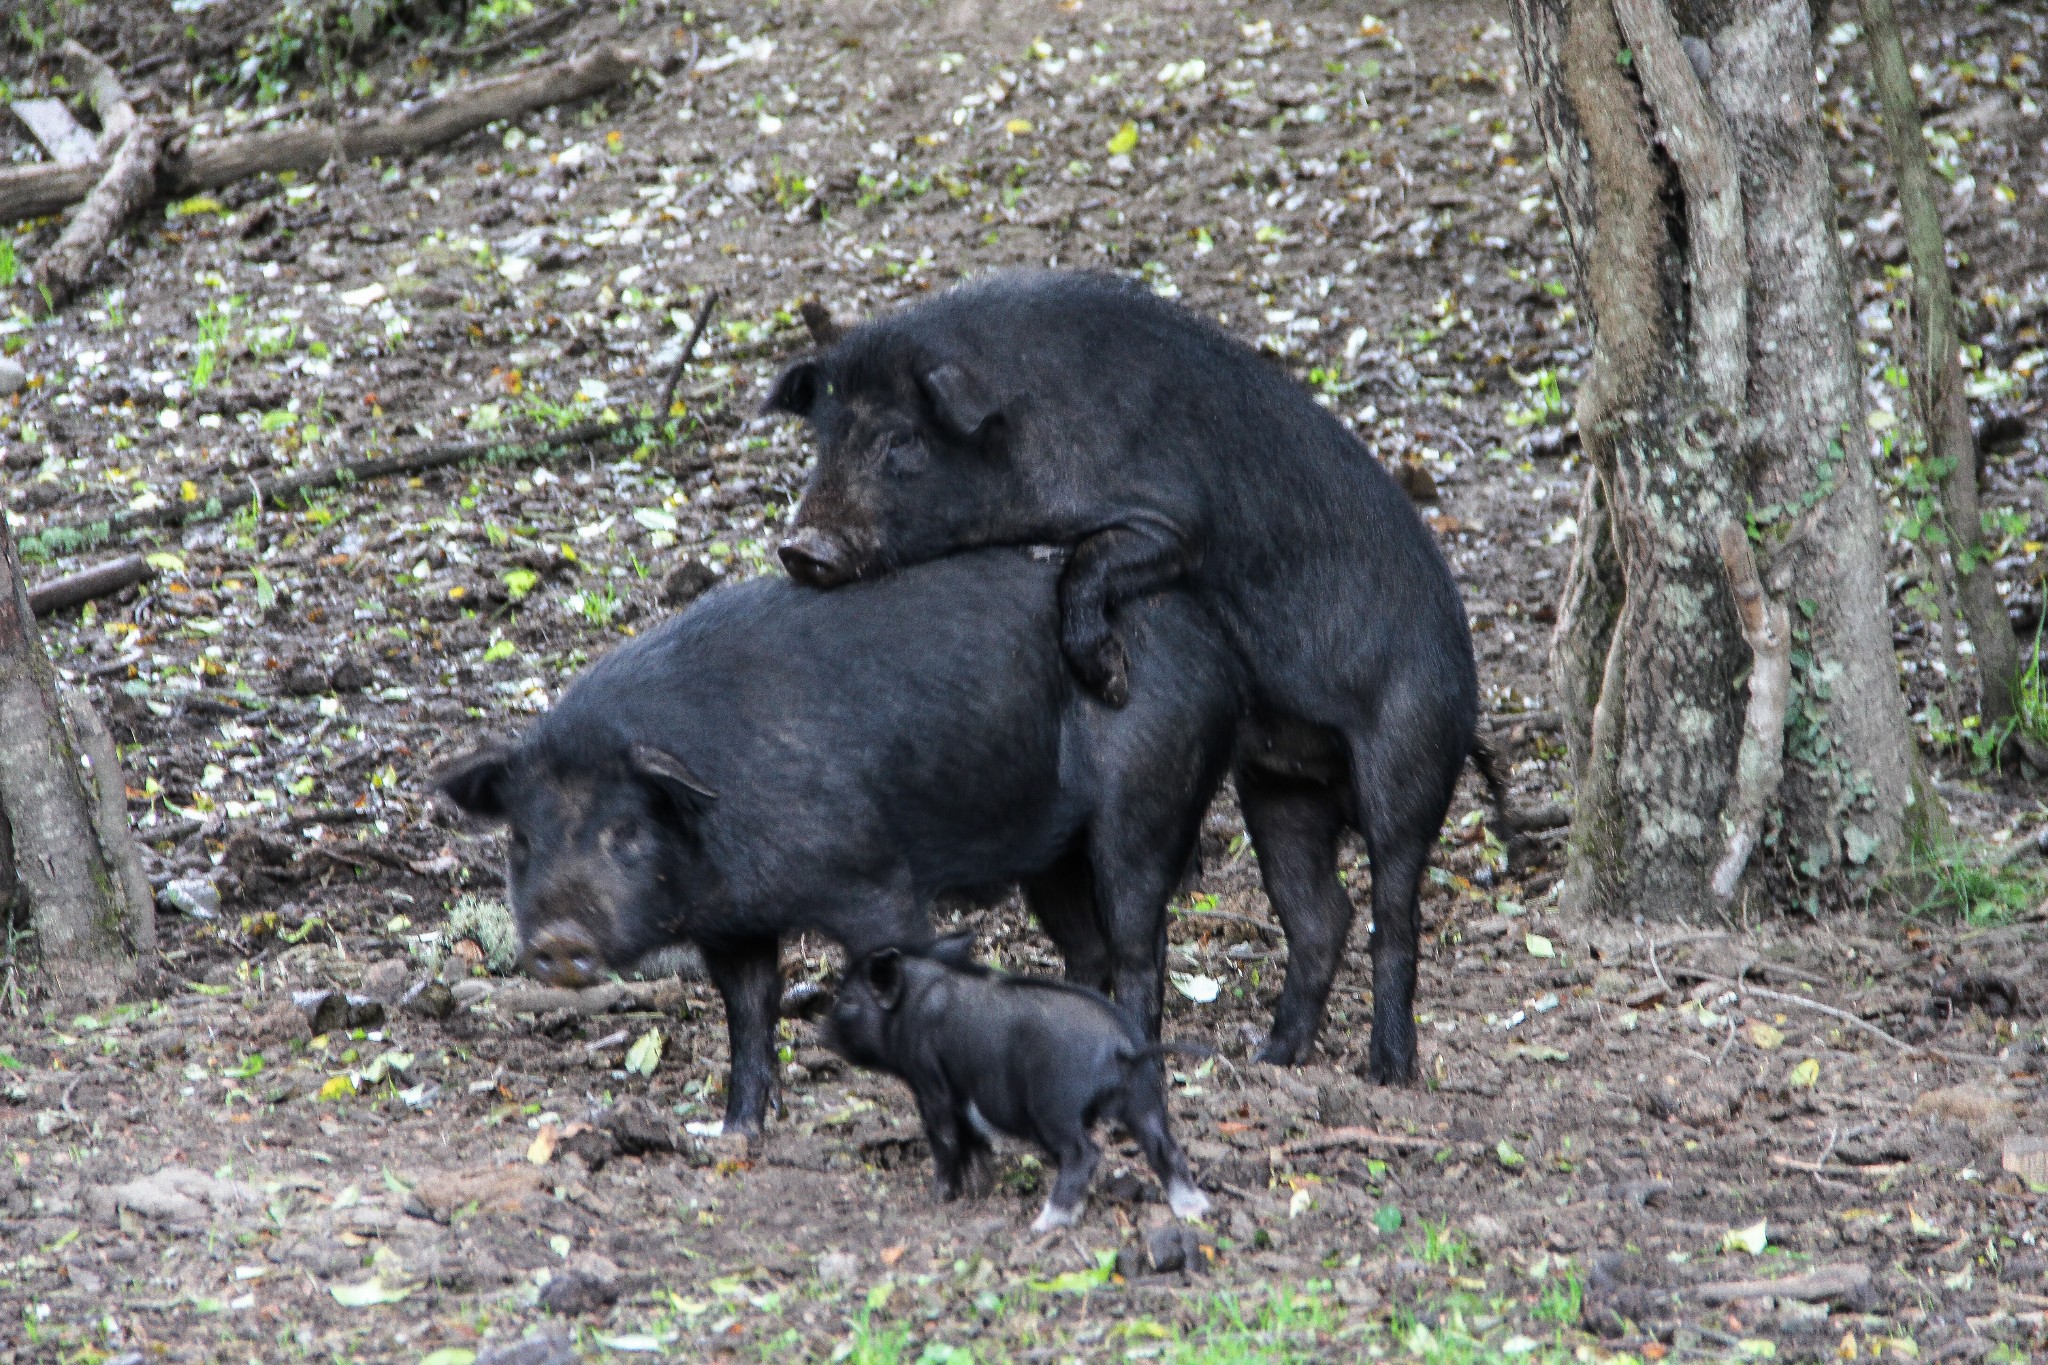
[[124, 191], [102, 580], [103, 89]]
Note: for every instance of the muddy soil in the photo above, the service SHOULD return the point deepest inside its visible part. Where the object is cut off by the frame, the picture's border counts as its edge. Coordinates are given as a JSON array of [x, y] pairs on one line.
[[1614, 1143]]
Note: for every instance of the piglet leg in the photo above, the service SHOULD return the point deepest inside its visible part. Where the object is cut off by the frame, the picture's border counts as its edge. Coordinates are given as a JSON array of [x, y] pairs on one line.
[[1077, 1157]]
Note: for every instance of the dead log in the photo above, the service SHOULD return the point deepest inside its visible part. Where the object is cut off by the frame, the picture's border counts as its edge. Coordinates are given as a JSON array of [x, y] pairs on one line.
[[101, 580], [103, 90], [124, 191], [32, 191], [1826, 1282]]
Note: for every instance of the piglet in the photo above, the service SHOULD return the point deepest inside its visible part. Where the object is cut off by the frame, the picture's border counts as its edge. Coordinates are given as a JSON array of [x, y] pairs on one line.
[[1036, 1059]]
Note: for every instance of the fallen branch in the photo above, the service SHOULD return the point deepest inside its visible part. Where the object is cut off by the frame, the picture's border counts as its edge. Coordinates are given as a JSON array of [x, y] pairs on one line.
[[102, 580], [1816, 1006], [1826, 1282], [1370, 1137], [525, 35], [32, 191], [124, 191], [675, 373], [277, 493], [1793, 1163], [1760, 759], [607, 998], [103, 89]]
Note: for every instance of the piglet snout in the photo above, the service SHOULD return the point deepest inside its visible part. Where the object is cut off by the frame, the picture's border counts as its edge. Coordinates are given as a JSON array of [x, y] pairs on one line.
[[564, 954]]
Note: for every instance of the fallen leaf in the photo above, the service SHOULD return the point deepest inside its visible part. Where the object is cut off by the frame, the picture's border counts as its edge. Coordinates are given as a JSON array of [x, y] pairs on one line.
[[1125, 141], [368, 1294], [449, 1355], [891, 1255], [645, 1054], [1200, 989], [1805, 1076], [1763, 1035], [542, 1149], [1299, 1203], [364, 297], [1539, 946], [1505, 1152], [1751, 1239]]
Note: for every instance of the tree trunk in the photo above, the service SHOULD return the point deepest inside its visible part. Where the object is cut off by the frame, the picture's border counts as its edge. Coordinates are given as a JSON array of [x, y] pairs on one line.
[[1944, 404], [1723, 393], [75, 879]]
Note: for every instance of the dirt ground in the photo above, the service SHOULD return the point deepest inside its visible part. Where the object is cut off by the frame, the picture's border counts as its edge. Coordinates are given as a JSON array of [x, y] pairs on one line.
[[1624, 1128]]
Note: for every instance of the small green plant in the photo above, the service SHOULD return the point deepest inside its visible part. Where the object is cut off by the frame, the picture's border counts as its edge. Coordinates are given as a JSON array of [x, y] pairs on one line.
[[9, 265], [2030, 693], [1563, 1298], [1446, 1246], [1545, 402], [210, 362], [598, 606], [1962, 880]]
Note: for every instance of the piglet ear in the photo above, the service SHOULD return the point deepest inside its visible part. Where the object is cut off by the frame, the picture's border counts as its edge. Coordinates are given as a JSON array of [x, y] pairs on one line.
[[476, 782], [672, 777], [954, 950], [885, 977], [796, 390], [959, 402]]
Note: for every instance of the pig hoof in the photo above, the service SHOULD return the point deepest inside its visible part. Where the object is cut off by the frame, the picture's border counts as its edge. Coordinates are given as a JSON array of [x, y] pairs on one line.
[[1051, 1219], [1187, 1202]]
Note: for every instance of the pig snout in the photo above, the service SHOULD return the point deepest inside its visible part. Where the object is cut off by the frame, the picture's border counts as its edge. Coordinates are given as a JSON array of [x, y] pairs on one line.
[[817, 558], [564, 954]]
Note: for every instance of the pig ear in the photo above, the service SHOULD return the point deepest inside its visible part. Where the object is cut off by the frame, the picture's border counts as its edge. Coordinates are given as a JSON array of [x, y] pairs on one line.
[[796, 390], [885, 977], [959, 401], [476, 782], [672, 776]]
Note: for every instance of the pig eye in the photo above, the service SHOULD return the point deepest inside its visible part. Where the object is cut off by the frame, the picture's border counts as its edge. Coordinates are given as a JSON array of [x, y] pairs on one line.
[[903, 453]]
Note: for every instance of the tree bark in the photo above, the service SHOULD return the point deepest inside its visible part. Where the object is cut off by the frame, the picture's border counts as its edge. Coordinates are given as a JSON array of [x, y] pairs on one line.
[[1701, 222], [1944, 404], [78, 888]]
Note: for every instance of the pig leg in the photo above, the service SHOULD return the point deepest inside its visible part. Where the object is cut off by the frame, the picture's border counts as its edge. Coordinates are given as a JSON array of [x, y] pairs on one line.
[[1295, 827], [1077, 1155], [1403, 788], [749, 977], [1144, 1116], [1062, 900], [1109, 568]]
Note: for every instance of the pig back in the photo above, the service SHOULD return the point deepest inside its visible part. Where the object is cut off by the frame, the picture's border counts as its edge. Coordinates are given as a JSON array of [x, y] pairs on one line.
[[915, 717]]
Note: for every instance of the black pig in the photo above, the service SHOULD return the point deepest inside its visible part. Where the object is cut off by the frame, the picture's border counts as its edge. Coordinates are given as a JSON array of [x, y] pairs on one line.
[[1084, 411], [1040, 1060], [778, 759]]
